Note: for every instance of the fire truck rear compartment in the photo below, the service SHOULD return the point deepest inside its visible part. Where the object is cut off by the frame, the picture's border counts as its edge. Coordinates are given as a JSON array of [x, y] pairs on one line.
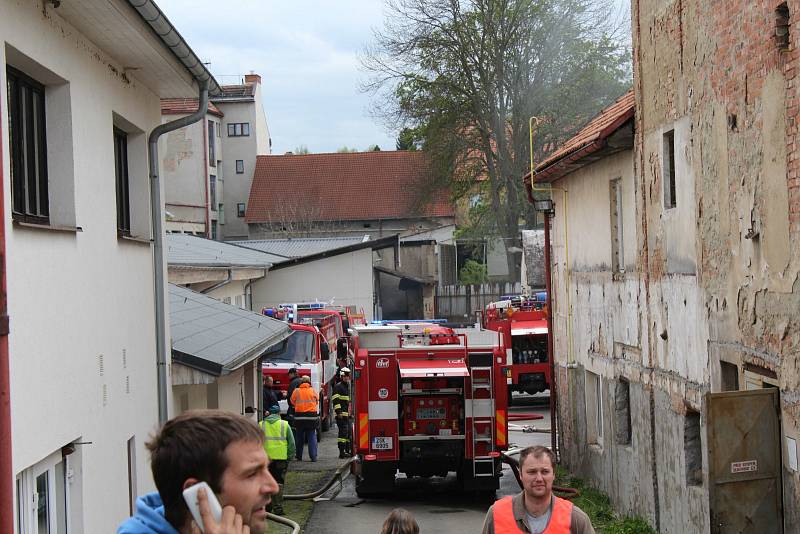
[[431, 425]]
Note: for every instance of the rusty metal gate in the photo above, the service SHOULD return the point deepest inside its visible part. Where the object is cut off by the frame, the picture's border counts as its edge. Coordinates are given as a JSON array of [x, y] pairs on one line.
[[745, 461]]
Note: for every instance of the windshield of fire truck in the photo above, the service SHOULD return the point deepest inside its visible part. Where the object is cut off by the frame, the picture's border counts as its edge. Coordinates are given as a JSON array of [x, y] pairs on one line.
[[298, 348]]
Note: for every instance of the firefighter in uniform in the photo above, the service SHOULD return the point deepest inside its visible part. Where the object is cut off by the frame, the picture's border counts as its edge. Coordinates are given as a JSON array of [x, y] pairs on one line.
[[306, 418], [279, 446], [341, 405], [536, 510]]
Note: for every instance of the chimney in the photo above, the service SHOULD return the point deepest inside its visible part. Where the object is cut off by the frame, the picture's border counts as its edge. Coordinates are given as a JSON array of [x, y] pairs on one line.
[[252, 78]]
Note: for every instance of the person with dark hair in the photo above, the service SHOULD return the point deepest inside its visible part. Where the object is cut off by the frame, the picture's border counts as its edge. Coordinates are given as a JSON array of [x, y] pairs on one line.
[[536, 510], [400, 521], [223, 449], [272, 396], [279, 446]]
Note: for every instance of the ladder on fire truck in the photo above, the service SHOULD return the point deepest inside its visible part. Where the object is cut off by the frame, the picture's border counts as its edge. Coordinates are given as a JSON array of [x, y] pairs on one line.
[[482, 385]]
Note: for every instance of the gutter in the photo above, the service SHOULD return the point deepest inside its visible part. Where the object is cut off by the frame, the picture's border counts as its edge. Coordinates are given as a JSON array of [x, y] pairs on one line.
[[158, 243], [219, 284], [165, 31]]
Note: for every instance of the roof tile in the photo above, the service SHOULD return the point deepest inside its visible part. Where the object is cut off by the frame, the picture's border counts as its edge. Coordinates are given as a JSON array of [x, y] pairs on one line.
[[185, 106], [600, 127], [343, 186]]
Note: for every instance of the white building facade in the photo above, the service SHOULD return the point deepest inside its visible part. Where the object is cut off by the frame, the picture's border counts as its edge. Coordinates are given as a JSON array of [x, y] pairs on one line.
[[245, 134], [83, 82]]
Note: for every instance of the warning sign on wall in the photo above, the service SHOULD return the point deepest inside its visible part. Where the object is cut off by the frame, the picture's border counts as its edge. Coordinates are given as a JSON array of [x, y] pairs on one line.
[[744, 467]]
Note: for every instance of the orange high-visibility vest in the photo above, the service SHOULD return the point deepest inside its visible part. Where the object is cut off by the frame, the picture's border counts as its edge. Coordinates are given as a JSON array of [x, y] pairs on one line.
[[305, 399], [560, 518]]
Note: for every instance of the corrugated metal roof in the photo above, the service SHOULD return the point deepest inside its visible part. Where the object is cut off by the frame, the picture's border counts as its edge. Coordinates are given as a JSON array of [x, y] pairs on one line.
[[193, 251], [301, 246], [215, 337]]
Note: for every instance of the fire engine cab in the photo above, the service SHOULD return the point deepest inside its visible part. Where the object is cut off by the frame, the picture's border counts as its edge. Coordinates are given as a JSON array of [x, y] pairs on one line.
[[522, 321], [428, 401], [316, 333]]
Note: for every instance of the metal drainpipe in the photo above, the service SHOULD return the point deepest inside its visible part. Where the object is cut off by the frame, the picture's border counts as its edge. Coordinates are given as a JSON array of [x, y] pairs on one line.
[[158, 244], [220, 284], [550, 351], [6, 471]]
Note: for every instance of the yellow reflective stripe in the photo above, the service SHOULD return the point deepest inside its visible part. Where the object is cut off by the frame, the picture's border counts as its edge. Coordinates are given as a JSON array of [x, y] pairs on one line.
[[363, 431], [501, 427]]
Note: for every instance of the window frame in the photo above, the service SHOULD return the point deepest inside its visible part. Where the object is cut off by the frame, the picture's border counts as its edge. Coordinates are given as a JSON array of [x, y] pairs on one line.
[[21, 187], [241, 209], [212, 152], [668, 169], [239, 168], [212, 191], [122, 182], [238, 129], [58, 504]]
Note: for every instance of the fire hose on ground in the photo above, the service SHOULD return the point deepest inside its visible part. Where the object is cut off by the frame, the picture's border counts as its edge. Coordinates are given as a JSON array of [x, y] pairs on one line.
[[564, 493], [338, 475]]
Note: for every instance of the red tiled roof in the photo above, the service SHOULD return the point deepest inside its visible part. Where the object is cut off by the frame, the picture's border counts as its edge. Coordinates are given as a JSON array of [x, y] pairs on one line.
[[185, 106], [342, 186], [590, 138]]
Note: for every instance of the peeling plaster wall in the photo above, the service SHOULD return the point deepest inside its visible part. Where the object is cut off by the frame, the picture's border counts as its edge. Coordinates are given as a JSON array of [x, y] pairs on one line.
[[721, 268]]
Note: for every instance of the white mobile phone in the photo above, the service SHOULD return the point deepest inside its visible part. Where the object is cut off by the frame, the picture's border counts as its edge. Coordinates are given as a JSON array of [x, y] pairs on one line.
[[190, 496]]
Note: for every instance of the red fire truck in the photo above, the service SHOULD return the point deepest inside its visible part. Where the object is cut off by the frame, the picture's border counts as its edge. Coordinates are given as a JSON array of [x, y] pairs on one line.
[[427, 402], [315, 335], [523, 322]]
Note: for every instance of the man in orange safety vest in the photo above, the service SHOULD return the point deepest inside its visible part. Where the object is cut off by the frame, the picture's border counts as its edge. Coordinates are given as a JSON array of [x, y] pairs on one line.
[[536, 510]]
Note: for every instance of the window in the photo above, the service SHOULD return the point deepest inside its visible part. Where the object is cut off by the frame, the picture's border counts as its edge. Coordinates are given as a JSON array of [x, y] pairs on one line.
[[729, 374], [219, 131], [42, 496], [594, 409], [239, 166], [213, 186], [617, 246], [123, 185], [240, 209], [221, 213], [27, 140], [782, 38], [692, 448], [212, 143], [622, 411], [238, 129], [239, 301], [214, 230], [668, 157]]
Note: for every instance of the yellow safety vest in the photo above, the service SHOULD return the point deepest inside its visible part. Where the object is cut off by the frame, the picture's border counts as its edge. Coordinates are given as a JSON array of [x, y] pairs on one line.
[[276, 443]]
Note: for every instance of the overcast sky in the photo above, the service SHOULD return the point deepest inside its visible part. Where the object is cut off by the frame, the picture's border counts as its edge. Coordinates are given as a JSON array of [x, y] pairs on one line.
[[307, 55], [306, 52]]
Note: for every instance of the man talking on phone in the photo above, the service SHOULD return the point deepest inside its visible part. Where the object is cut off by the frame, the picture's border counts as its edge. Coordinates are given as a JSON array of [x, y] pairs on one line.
[[223, 449]]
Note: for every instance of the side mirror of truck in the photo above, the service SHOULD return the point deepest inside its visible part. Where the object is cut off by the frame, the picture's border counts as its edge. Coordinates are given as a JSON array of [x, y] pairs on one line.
[[325, 350]]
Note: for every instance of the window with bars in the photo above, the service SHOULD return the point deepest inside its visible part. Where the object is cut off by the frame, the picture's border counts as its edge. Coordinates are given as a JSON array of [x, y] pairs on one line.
[[28, 144], [238, 129], [123, 182]]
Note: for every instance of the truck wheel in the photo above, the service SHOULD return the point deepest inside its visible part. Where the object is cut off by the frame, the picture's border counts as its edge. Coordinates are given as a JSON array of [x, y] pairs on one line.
[[375, 481]]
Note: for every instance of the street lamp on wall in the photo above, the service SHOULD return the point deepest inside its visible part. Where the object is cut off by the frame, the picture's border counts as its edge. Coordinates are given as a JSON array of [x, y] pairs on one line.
[[544, 205]]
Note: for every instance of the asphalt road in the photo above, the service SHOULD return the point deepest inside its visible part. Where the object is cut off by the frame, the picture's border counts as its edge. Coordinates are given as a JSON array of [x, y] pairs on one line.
[[437, 503]]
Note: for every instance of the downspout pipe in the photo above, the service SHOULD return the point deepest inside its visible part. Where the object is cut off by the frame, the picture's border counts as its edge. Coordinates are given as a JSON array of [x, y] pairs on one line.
[[158, 245], [219, 284], [6, 470]]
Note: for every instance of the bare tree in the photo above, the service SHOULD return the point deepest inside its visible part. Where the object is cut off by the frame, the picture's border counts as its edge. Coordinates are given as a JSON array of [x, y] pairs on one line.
[[296, 219]]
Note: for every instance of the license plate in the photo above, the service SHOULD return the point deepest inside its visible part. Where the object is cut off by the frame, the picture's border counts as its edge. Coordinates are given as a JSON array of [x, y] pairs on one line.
[[381, 443]]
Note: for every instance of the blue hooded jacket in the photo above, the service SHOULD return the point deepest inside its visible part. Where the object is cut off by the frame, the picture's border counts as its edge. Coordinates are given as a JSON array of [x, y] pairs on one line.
[[149, 518]]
